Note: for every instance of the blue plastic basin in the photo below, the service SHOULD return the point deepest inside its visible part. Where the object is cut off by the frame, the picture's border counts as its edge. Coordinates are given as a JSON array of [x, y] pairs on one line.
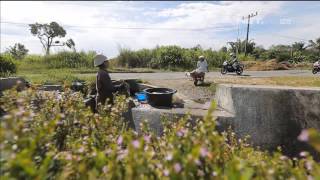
[[141, 96]]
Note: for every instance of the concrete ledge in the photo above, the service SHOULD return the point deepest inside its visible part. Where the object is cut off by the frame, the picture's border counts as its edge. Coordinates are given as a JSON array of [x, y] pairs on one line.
[[10, 82], [51, 88], [153, 116], [272, 116]]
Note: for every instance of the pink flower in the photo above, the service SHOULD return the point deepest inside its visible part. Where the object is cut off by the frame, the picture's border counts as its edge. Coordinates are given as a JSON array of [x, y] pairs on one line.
[[177, 167], [214, 173], [122, 154], [200, 172], [135, 144], [81, 150], [203, 152], [309, 165], [105, 169], [304, 136], [166, 172], [119, 141], [303, 154], [169, 157], [197, 162], [181, 132], [147, 138], [283, 158], [69, 157]]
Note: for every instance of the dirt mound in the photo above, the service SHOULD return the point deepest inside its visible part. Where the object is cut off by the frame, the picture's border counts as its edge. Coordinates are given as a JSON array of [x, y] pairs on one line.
[[266, 65]]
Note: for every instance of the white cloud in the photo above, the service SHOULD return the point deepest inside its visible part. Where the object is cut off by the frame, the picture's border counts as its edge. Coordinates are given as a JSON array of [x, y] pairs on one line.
[[94, 17]]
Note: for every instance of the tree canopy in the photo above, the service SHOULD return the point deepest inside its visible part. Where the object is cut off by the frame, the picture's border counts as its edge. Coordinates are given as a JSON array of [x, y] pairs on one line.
[[18, 51], [46, 33]]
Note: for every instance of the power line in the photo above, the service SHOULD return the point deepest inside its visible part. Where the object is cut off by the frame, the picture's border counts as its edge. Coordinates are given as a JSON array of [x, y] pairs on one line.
[[249, 16], [286, 36], [137, 28]]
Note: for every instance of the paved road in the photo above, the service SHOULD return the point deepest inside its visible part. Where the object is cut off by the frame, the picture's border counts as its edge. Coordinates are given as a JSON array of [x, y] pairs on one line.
[[181, 75]]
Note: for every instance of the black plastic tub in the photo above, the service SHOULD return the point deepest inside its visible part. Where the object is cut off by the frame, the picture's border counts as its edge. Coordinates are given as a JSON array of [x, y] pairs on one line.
[[160, 96]]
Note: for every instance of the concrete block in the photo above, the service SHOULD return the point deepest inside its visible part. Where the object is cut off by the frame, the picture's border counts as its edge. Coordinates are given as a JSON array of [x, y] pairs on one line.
[[272, 116]]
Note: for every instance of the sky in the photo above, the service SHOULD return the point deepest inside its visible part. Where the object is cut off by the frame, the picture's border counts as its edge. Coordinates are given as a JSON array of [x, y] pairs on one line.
[[105, 26]]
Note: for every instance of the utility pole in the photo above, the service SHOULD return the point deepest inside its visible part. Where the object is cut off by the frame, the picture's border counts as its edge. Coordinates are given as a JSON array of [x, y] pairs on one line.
[[249, 16]]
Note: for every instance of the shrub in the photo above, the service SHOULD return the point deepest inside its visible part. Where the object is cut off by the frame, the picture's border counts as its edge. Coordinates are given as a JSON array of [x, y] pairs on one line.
[[67, 59], [242, 57], [283, 56], [7, 65], [18, 51], [169, 57], [56, 137]]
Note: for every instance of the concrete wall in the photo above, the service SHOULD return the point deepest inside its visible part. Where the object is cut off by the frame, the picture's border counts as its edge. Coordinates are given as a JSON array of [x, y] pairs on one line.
[[272, 116]]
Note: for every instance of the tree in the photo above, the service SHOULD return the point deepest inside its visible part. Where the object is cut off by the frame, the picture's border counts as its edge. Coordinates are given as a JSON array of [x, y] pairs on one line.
[[239, 46], [18, 51], [46, 33], [315, 45]]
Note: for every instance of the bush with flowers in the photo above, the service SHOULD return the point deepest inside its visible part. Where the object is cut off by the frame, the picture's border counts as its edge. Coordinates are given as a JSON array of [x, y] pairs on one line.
[[54, 136]]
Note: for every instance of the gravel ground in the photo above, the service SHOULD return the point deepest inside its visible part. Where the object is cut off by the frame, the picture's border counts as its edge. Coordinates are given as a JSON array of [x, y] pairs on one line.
[[185, 87]]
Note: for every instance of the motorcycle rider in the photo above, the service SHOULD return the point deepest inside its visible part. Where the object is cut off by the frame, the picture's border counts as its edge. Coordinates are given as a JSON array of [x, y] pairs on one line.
[[233, 60], [317, 63]]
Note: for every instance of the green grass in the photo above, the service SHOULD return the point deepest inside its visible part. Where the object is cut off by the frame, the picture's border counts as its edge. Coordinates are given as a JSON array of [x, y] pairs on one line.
[[304, 81], [38, 73]]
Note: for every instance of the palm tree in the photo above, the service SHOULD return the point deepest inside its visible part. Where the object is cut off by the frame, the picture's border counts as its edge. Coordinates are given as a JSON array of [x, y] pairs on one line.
[[315, 45], [299, 46]]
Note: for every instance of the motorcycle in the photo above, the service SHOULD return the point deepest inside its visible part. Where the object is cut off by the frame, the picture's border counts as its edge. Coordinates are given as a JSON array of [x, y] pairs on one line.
[[315, 69], [227, 67]]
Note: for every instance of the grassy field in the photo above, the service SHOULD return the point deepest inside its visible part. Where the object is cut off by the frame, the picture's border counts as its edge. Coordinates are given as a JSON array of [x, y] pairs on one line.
[[281, 81], [40, 75]]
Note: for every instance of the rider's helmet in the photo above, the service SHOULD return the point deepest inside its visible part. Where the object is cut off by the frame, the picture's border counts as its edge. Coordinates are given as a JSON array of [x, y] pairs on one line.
[[201, 57], [232, 54]]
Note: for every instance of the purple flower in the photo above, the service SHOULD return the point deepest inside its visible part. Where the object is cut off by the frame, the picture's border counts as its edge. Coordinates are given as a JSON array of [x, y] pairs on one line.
[[177, 167], [119, 141], [304, 136], [135, 144]]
